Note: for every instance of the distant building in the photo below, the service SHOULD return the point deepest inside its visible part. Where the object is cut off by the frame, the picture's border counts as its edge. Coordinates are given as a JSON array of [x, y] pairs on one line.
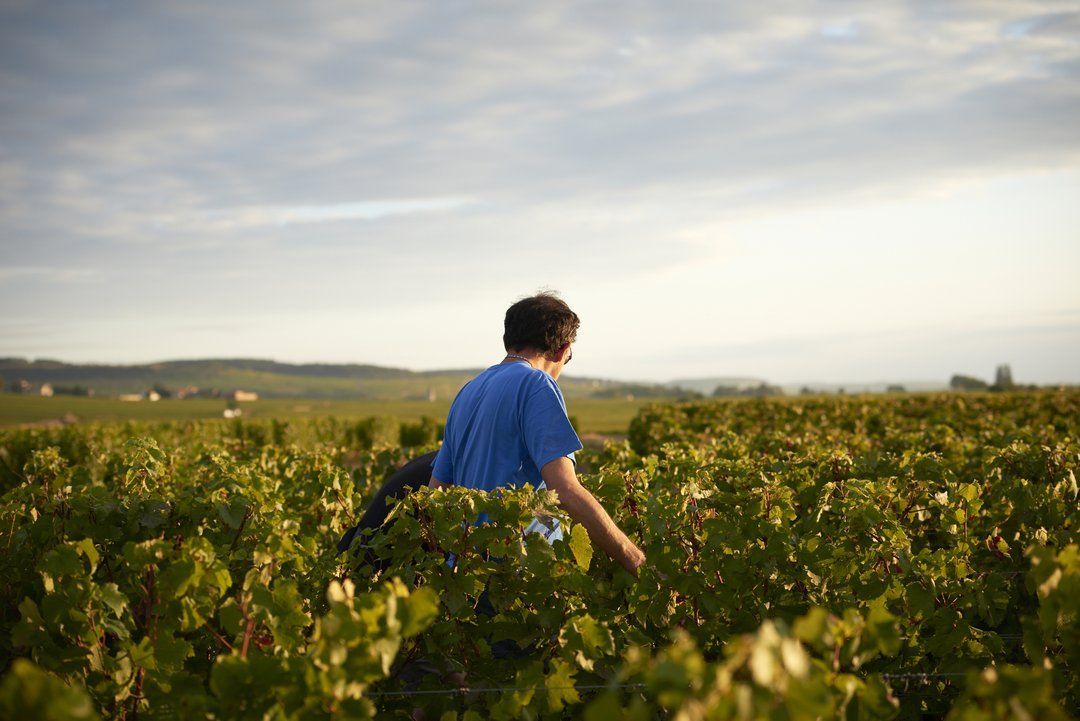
[[243, 396], [130, 397], [187, 392], [22, 386], [47, 390], [153, 396], [232, 413]]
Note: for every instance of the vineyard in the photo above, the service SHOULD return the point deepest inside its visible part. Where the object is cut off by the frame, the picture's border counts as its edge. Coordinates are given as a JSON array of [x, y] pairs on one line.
[[900, 557]]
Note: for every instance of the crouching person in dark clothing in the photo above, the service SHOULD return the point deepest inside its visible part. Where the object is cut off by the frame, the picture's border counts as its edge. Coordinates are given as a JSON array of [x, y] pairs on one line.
[[413, 475], [401, 482]]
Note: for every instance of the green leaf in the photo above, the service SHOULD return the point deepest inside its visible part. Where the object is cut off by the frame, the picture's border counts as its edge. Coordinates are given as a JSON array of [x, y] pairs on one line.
[[62, 561], [968, 491], [883, 628], [418, 611], [232, 513], [27, 692], [580, 546], [170, 652], [229, 676], [178, 576], [587, 639], [812, 627], [142, 655], [604, 707], [920, 601], [111, 597], [559, 683], [30, 630], [993, 599], [87, 547]]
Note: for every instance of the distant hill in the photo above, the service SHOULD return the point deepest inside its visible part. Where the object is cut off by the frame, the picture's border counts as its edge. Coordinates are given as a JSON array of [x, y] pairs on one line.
[[272, 379], [706, 386], [876, 387], [355, 381]]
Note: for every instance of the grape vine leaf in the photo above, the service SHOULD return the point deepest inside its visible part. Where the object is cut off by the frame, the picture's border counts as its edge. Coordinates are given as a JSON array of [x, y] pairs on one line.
[[581, 547]]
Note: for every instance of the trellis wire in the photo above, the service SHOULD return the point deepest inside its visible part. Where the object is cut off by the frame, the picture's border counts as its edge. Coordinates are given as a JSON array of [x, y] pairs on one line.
[[596, 687], [501, 689]]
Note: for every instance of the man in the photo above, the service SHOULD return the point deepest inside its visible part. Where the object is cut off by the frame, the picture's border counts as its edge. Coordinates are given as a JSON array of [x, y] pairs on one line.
[[508, 425]]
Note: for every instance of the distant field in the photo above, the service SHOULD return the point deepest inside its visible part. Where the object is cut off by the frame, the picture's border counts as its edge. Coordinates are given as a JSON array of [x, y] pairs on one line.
[[593, 415]]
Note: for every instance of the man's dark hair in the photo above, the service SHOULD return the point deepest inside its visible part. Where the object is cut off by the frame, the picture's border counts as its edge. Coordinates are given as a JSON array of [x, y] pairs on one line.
[[542, 322]]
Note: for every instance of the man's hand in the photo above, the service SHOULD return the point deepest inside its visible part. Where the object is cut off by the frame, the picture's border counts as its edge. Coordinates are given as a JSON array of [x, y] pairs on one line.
[[434, 483], [560, 477]]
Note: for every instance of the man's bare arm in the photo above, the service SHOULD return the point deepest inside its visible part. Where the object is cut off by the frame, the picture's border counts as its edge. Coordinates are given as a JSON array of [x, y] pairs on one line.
[[560, 477]]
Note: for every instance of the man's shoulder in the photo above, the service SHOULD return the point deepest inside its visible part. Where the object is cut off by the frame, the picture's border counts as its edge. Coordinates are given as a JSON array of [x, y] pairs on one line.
[[506, 376], [518, 372], [542, 380]]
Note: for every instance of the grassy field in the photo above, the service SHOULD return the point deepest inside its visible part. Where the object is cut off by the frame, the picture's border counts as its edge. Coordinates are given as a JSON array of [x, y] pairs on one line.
[[607, 416]]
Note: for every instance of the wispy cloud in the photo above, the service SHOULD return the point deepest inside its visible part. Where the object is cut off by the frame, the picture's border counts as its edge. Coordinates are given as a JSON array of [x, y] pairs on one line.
[[48, 275], [258, 216]]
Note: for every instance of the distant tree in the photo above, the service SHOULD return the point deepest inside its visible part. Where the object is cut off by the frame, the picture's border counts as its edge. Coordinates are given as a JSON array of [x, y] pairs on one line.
[[75, 390], [765, 390], [423, 432], [162, 391], [644, 390], [1003, 380], [967, 383], [761, 390], [895, 388], [806, 391]]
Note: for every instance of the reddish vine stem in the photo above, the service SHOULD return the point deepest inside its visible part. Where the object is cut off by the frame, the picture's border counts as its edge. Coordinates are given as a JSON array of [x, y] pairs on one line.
[[150, 626], [218, 636], [248, 630], [240, 529]]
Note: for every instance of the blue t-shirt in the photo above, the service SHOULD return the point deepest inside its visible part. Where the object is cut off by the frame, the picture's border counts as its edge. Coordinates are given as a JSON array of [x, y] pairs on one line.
[[503, 427]]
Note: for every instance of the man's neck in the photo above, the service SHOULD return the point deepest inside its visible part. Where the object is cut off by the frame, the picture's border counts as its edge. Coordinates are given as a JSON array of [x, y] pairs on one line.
[[536, 360]]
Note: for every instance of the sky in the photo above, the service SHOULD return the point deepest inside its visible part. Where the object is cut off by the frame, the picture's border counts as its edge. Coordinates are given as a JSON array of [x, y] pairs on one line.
[[797, 191]]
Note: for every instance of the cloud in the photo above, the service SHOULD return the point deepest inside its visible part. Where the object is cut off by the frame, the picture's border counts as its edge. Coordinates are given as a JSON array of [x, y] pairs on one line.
[[192, 110], [840, 30], [309, 145], [256, 216], [1064, 24], [48, 275]]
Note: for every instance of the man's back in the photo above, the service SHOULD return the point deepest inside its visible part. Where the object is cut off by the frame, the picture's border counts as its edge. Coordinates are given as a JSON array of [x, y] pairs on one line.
[[503, 427], [508, 426]]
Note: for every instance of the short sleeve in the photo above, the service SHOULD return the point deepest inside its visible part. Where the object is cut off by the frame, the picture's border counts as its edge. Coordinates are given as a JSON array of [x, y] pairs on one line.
[[546, 427], [443, 465]]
